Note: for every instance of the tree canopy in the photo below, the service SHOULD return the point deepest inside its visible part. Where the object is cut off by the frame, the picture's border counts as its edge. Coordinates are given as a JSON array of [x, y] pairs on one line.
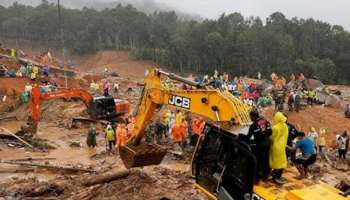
[[231, 43]]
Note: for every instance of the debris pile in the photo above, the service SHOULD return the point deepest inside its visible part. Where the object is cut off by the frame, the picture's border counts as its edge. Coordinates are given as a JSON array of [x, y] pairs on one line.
[[161, 183], [25, 140]]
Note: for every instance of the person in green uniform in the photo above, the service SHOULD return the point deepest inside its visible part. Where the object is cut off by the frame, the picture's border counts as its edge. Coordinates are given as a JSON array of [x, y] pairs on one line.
[[91, 137]]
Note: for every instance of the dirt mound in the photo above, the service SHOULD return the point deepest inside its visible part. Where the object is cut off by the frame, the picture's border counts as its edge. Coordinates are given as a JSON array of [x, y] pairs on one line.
[[11, 88], [12, 84], [119, 62], [319, 117]]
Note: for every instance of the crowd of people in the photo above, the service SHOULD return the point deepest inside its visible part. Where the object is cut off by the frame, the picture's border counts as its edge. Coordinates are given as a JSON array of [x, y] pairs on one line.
[[292, 92], [173, 127], [106, 87], [28, 70], [116, 134], [275, 146], [45, 87]]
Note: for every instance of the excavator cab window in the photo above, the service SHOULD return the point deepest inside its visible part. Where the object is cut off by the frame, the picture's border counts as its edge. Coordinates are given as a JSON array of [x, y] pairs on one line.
[[102, 107], [224, 166]]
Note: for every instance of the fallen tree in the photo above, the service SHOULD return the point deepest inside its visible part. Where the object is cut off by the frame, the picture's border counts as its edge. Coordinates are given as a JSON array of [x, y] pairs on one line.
[[105, 178]]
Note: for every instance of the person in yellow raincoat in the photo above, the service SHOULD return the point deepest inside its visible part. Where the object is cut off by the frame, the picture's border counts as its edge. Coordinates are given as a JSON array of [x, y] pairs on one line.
[[167, 119], [178, 117], [278, 157]]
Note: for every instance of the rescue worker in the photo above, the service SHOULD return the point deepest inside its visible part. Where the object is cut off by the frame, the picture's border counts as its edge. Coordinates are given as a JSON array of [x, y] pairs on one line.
[[121, 134], [13, 53], [198, 125], [116, 88], [36, 70], [167, 119], [19, 74], [347, 110], [33, 76], [258, 138], [321, 142], [92, 86], [278, 139], [105, 72], [150, 132], [311, 96], [292, 77], [292, 134], [313, 135], [279, 96], [91, 137], [28, 88], [291, 101], [184, 132], [160, 130], [46, 70], [343, 146], [306, 146], [29, 70], [110, 137], [130, 127], [297, 100], [178, 134], [23, 70], [178, 117], [106, 87]]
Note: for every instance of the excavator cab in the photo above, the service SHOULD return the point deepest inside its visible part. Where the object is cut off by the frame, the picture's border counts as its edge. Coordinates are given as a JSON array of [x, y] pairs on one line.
[[224, 166], [102, 107]]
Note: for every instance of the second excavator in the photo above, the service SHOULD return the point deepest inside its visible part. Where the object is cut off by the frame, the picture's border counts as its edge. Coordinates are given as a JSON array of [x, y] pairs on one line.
[[101, 107]]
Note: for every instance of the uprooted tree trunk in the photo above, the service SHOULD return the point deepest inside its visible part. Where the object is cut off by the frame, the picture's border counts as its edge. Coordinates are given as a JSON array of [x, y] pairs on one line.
[[105, 178]]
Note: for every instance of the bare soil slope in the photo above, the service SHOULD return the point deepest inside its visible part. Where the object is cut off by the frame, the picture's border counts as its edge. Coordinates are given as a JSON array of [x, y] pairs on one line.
[[332, 119], [120, 62]]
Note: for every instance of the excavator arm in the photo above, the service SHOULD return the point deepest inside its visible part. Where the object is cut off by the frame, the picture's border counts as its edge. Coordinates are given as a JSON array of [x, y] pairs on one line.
[[37, 98], [212, 104]]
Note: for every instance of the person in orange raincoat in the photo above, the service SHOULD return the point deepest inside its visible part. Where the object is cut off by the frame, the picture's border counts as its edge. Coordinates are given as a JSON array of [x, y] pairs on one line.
[[176, 133], [197, 126], [179, 133], [184, 127], [130, 126], [122, 135]]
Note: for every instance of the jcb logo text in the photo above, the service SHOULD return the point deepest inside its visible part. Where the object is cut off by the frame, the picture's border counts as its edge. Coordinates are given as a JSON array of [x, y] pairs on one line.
[[178, 101]]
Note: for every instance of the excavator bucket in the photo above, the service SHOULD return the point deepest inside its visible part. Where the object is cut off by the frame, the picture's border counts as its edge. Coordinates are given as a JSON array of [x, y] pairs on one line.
[[141, 155]]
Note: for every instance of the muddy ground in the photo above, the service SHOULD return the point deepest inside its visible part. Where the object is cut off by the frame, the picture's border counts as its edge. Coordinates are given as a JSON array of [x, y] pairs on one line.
[[170, 180]]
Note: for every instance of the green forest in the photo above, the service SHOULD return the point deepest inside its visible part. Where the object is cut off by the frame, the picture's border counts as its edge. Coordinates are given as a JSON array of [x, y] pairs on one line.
[[232, 43]]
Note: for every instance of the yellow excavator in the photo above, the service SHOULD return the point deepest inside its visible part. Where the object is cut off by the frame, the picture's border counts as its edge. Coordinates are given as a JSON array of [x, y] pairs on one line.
[[210, 103], [224, 167]]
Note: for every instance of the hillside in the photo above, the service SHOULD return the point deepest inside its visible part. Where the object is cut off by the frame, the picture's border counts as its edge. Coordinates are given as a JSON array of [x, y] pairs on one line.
[[120, 62]]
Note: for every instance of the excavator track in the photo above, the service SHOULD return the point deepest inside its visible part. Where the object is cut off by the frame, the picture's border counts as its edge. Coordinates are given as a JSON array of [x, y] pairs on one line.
[[141, 155]]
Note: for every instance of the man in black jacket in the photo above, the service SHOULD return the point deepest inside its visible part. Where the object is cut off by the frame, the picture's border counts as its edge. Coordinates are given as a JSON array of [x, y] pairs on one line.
[[258, 139]]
